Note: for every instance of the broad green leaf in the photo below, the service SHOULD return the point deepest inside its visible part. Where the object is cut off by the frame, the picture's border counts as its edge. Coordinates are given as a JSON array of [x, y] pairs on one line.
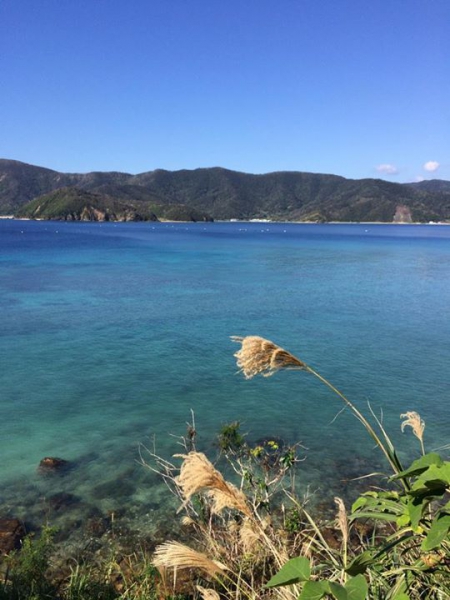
[[420, 465], [295, 570], [360, 563], [439, 472], [314, 590], [338, 591], [357, 588], [415, 511], [439, 530], [434, 480]]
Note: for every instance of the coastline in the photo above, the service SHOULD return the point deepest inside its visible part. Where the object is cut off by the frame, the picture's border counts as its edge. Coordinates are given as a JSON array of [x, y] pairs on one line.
[[255, 221]]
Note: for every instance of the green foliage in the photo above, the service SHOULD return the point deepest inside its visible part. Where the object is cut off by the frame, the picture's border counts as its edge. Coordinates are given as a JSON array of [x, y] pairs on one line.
[[293, 521], [295, 570], [419, 547], [230, 438], [73, 204], [298, 570], [408, 560], [86, 586], [26, 569]]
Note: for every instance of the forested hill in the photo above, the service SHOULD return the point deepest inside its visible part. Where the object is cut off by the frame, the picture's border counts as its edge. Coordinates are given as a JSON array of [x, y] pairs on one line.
[[225, 194]]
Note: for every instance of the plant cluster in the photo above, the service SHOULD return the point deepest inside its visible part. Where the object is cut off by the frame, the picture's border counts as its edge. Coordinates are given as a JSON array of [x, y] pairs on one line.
[[394, 544]]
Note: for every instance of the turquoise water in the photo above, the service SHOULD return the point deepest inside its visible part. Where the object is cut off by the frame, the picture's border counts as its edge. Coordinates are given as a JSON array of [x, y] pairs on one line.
[[111, 333]]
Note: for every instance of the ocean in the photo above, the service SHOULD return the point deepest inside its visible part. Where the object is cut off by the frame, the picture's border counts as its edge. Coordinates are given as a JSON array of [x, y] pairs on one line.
[[112, 333]]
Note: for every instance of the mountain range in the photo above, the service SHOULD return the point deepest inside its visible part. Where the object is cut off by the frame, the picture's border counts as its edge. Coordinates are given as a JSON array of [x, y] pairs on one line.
[[215, 193]]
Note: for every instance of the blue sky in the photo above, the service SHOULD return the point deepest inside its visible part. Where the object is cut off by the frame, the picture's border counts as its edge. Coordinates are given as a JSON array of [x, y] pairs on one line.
[[359, 88]]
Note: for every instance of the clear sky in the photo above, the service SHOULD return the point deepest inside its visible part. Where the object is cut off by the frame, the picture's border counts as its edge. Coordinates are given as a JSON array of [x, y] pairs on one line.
[[359, 88]]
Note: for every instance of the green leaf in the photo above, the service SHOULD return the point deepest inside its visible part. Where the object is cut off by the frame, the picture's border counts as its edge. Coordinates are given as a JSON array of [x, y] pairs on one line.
[[434, 481], [314, 590], [415, 511], [295, 570], [403, 520], [385, 507], [357, 588], [436, 472], [420, 465], [399, 589], [375, 515], [361, 501], [360, 563], [338, 591], [438, 532]]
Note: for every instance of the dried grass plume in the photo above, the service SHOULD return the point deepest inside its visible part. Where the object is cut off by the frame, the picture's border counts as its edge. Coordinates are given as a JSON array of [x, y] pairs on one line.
[[260, 356], [208, 593], [341, 520], [198, 474], [417, 424], [174, 555], [413, 420]]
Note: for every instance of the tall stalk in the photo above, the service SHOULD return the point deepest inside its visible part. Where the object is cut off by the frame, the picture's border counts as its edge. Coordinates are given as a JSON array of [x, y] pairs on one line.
[[260, 356]]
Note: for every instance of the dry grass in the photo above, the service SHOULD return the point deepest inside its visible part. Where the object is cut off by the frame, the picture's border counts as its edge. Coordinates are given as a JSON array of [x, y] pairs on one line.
[[413, 420], [174, 555], [260, 356], [238, 548], [198, 474], [208, 594]]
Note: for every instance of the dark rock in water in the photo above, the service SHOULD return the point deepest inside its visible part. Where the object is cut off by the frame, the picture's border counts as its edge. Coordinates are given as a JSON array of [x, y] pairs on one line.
[[97, 526], [62, 500], [51, 464], [114, 488], [12, 532]]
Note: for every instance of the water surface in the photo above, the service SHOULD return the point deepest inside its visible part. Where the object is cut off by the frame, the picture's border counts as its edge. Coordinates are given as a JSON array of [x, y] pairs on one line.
[[111, 333]]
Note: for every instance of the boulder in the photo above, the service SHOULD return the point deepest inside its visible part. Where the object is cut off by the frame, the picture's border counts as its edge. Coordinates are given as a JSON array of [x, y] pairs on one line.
[[12, 532], [51, 464]]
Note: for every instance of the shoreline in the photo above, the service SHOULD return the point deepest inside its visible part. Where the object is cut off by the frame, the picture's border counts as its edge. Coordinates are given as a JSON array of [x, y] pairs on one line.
[[248, 221]]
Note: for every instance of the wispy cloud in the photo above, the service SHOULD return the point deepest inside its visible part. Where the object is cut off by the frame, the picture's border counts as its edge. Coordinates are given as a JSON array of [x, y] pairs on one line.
[[431, 166], [387, 169]]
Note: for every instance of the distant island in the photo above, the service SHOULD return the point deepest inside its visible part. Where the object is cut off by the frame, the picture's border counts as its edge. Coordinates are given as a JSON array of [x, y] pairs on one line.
[[33, 192]]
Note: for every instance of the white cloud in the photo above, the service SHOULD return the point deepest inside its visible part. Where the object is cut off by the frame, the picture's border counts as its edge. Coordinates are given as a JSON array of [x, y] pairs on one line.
[[387, 169], [431, 165], [418, 178]]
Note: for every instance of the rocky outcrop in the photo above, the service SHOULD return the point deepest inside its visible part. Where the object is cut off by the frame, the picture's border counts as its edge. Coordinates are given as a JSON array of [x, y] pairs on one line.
[[402, 214], [12, 532]]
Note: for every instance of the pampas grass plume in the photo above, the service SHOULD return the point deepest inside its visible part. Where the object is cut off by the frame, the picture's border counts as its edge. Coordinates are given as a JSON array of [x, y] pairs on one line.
[[178, 556], [197, 474], [260, 356]]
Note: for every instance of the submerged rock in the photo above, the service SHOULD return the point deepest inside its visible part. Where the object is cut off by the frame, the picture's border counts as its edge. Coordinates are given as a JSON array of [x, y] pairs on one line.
[[62, 500], [12, 532], [51, 464]]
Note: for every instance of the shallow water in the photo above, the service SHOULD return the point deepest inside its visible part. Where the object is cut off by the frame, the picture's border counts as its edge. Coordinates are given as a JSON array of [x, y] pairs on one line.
[[111, 333]]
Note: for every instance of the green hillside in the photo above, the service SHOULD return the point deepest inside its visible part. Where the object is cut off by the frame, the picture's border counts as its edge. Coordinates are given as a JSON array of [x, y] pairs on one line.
[[224, 194], [73, 204]]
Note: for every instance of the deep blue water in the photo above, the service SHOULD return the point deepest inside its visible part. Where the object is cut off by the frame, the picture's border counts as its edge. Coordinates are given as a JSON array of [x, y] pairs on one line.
[[111, 333]]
